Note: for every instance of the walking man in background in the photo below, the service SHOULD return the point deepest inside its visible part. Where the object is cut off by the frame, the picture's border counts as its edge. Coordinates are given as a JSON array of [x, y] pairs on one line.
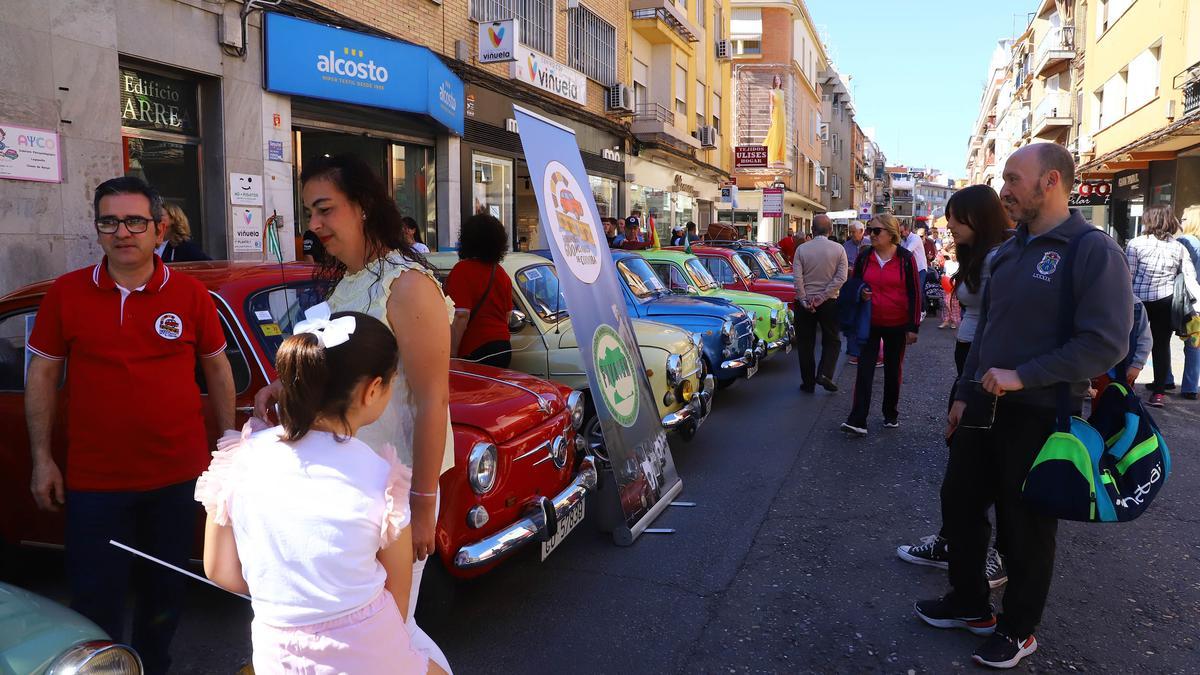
[[913, 243], [133, 331], [1005, 401], [820, 270], [856, 242]]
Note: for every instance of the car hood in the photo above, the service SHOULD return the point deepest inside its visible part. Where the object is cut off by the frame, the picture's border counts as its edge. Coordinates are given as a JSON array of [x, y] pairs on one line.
[[36, 630], [675, 305], [503, 403], [743, 298]]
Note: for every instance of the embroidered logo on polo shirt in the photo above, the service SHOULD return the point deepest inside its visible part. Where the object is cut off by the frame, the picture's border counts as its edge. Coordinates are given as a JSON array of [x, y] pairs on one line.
[[169, 326], [1048, 265]]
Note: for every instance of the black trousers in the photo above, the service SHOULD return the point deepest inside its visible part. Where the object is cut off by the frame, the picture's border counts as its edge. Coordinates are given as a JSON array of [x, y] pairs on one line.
[[1159, 314], [826, 319], [497, 354], [988, 467], [158, 522], [893, 338]]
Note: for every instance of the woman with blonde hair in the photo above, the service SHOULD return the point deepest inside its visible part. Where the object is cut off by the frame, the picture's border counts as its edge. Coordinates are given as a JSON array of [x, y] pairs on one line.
[[888, 272], [177, 244], [1191, 342]]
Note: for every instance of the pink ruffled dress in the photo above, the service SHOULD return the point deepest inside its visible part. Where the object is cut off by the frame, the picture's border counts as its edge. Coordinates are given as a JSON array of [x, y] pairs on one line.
[[309, 518]]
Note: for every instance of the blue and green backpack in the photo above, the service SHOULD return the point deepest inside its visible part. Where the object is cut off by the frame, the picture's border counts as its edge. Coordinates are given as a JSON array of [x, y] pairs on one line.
[[1107, 468]]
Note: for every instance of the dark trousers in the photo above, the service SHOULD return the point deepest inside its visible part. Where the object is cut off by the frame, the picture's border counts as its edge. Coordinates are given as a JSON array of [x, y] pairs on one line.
[[1159, 314], [988, 467], [158, 522], [497, 354], [893, 338], [807, 323]]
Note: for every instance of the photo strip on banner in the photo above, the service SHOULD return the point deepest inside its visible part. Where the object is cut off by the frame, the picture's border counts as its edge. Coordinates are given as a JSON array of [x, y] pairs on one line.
[[633, 435]]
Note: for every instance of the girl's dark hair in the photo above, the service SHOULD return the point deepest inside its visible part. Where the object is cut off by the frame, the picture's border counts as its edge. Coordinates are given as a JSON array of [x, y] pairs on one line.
[[382, 226], [482, 238], [318, 382], [979, 208], [408, 222], [1159, 221]]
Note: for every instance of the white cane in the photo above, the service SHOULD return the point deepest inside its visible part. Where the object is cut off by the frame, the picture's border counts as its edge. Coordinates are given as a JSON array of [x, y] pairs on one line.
[[168, 565]]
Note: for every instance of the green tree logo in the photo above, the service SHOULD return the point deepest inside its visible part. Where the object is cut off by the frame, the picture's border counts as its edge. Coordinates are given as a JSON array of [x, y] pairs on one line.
[[614, 373]]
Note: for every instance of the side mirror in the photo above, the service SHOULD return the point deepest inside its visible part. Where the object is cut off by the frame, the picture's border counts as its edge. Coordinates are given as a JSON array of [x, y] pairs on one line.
[[516, 320]]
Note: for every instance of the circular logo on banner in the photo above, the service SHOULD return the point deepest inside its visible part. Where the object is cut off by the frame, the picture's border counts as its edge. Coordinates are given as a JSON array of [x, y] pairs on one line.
[[614, 371], [169, 326], [571, 222]]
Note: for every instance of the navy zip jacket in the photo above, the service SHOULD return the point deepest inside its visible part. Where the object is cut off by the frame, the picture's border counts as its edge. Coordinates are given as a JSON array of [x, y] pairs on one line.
[[1018, 324]]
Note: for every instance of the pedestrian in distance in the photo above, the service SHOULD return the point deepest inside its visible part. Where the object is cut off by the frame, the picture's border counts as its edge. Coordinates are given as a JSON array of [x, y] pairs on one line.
[[819, 268], [889, 274], [1006, 401], [311, 522], [373, 269], [1191, 338], [482, 293], [978, 223], [131, 328], [177, 244], [788, 244], [1156, 258], [856, 241], [413, 233], [910, 240]]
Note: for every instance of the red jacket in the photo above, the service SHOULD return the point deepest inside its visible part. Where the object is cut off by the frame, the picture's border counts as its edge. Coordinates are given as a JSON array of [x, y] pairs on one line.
[[895, 296]]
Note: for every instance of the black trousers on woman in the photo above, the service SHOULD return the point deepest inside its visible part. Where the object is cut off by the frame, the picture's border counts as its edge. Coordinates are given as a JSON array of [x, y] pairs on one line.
[[497, 354], [893, 338], [1159, 314]]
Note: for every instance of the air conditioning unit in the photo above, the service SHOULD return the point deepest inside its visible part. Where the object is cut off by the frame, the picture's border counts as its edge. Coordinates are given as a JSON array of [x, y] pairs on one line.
[[707, 136], [724, 50], [823, 132], [619, 99]]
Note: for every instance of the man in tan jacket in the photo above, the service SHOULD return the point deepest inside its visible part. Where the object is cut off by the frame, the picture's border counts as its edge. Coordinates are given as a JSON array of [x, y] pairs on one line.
[[820, 270]]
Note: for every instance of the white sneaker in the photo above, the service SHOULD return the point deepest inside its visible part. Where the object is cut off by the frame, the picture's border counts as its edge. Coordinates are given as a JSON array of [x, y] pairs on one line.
[[853, 430]]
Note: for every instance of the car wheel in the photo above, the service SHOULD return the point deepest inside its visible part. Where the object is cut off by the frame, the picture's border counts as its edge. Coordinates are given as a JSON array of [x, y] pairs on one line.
[[594, 436], [436, 599]]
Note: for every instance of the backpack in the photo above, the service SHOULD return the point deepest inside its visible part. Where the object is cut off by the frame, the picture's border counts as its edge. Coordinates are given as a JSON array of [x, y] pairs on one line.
[[1107, 468]]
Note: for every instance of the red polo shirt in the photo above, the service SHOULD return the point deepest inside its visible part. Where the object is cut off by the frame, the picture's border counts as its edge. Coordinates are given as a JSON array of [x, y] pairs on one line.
[[135, 419]]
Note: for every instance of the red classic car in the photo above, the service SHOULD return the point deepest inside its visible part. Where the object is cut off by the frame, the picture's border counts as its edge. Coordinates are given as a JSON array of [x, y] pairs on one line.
[[570, 204], [516, 480], [733, 273]]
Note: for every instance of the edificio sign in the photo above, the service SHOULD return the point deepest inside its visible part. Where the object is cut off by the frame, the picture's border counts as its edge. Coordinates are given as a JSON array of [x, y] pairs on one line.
[[304, 58], [545, 73], [158, 103]]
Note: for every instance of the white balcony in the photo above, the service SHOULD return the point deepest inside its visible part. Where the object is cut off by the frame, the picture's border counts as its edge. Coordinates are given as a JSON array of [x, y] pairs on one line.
[[656, 122], [1056, 46], [1052, 114]]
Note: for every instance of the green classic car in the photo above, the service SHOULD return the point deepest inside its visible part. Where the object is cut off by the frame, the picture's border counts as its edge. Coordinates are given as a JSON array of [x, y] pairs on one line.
[[40, 636], [684, 273], [544, 345]]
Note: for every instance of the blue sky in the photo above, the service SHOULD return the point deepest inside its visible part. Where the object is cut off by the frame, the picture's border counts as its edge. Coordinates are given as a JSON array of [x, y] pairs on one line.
[[918, 68]]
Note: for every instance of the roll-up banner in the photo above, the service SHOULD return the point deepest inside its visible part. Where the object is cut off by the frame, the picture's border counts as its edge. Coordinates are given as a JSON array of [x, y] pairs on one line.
[[633, 435]]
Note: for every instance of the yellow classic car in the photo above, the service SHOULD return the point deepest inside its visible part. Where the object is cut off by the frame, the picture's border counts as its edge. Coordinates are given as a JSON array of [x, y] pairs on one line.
[[544, 344]]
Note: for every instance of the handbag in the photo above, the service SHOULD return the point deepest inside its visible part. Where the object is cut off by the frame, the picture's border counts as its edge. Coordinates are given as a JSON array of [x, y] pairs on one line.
[[1183, 305], [1107, 468]]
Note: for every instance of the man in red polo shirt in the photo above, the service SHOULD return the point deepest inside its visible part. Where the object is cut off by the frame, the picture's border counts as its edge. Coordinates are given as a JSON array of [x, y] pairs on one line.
[[133, 331]]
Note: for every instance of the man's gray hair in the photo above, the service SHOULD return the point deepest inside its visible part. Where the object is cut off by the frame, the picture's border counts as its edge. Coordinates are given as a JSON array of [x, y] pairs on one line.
[[1054, 157]]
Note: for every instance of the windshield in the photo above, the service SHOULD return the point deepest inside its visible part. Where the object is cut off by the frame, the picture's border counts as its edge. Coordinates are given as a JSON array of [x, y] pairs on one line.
[[539, 285], [765, 260], [778, 258], [742, 268], [640, 278], [274, 312], [700, 275]]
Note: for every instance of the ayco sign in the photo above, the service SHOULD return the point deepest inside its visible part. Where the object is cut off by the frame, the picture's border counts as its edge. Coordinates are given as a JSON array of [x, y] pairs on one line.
[[496, 40]]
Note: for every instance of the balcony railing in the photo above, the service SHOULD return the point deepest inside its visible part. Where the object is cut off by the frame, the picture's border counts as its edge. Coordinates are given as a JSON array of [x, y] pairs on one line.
[[654, 112], [666, 11], [1056, 46], [1191, 97], [1054, 105]]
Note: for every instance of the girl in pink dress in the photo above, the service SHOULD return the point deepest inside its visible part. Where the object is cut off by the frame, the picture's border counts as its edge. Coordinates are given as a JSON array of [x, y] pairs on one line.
[[310, 521]]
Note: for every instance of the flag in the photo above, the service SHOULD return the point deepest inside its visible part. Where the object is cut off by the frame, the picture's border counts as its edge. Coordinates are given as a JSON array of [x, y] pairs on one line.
[[687, 243], [273, 247], [654, 245]]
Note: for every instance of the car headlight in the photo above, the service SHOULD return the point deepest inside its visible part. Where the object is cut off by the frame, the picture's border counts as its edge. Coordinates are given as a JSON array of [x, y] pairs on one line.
[[774, 317], [481, 467], [576, 405], [93, 658], [674, 370]]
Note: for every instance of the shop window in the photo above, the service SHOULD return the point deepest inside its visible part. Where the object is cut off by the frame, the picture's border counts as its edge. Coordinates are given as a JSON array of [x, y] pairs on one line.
[[536, 18], [605, 192], [414, 187], [593, 46], [493, 188]]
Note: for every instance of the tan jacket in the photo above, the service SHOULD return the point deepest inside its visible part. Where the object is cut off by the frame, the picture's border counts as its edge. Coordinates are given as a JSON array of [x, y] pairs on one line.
[[820, 270]]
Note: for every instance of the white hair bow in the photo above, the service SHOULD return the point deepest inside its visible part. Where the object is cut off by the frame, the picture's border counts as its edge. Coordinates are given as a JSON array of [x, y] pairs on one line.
[[329, 332]]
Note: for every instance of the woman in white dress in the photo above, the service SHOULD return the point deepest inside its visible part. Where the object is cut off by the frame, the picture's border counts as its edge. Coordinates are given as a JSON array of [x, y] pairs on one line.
[[375, 271]]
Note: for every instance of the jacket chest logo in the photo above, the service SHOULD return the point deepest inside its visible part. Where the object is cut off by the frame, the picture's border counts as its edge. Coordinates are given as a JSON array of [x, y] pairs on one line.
[[1048, 265], [169, 326]]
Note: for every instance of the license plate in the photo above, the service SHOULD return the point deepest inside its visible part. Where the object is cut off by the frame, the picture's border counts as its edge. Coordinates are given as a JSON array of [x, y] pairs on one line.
[[751, 370], [574, 517]]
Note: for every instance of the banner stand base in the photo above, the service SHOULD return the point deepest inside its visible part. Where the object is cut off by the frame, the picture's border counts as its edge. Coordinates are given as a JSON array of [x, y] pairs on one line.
[[610, 518], [659, 530]]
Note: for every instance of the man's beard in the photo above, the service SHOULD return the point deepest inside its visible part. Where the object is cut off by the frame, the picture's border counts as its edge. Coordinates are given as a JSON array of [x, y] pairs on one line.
[[1029, 212]]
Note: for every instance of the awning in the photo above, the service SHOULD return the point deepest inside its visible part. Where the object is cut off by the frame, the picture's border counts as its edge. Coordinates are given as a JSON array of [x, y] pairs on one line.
[[1181, 133]]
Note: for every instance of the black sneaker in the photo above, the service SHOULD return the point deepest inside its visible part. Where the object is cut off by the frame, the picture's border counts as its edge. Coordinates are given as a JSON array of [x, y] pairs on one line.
[[827, 383], [942, 613], [997, 576], [891, 424], [932, 551], [1001, 651]]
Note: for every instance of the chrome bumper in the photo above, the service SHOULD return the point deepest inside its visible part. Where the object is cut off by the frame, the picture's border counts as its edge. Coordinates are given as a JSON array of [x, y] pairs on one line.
[[534, 526], [750, 358], [694, 410], [778, 344]]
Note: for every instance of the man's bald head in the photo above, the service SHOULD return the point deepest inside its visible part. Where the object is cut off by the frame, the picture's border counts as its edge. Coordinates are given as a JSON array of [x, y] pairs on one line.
[[821, 225], [1051, 157]]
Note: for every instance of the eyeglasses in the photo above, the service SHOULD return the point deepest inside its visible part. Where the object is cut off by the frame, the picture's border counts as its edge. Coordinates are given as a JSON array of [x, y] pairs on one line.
[[133, 224], [874, 230]]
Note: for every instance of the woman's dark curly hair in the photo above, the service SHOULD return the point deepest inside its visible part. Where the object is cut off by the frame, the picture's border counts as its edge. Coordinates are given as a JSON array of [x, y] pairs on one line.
[[382, 225], [482, 238], [979, 208]]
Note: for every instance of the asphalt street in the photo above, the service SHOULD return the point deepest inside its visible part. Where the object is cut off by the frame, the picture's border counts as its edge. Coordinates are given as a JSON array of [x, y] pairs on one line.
[[787, 562]]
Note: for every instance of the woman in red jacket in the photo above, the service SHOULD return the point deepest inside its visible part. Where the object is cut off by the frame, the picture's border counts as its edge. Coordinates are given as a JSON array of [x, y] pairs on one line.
[[482, 293], [889, 273]]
